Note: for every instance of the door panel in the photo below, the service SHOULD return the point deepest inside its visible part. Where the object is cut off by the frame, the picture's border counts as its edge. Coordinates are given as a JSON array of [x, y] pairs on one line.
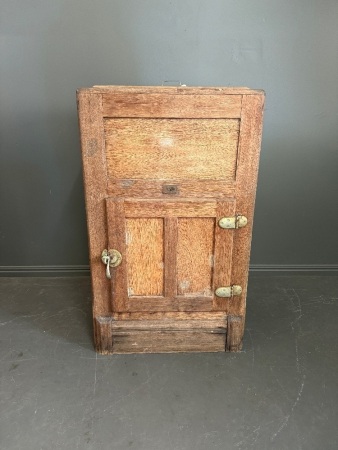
[[173, 260], [195, 255], [144, 253]]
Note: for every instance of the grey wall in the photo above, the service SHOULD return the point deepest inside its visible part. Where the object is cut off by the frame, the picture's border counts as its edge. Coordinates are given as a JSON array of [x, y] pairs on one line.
[[49, 48]]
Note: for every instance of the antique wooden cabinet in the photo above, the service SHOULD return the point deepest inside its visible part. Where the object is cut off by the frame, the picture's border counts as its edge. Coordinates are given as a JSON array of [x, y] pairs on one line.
[[170, 179]]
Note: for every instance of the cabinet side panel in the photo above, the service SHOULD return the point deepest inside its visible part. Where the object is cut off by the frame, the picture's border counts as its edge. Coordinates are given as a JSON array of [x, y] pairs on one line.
[[94, 172], [246, 182]]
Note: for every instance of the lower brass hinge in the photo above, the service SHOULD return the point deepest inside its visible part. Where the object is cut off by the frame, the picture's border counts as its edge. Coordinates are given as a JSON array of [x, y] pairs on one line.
[[228, 291]]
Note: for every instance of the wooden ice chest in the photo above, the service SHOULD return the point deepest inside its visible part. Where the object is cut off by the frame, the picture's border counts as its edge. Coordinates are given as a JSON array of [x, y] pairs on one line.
[[170, 180]]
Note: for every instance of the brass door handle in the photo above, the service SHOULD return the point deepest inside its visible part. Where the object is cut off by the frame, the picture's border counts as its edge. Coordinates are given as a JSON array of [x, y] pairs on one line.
[[111, 258]]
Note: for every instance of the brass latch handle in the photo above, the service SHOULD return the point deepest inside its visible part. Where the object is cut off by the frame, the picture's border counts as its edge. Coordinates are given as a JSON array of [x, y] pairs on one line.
[[111, 258]]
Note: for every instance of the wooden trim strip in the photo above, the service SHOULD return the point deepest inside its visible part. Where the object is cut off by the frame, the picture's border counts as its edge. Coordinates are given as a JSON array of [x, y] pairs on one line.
[[176, 90], [248, 159], [178, 303], [116, 240], [170, 256], [176, 315], [153, 188], [223, 253], [219, 325], [173, 208], [94, 168], [162, 105]]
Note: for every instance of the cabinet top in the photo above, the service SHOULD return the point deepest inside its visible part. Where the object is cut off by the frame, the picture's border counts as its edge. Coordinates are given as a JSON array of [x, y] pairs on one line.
[[182, 89]]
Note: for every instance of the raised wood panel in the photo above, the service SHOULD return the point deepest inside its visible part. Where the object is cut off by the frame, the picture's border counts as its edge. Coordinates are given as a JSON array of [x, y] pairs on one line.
[[154, 149], [144, 248], [171, 106], [195, 256]]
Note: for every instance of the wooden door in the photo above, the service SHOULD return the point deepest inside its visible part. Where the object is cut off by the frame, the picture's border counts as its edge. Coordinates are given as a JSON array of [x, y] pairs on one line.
[[174, 253]]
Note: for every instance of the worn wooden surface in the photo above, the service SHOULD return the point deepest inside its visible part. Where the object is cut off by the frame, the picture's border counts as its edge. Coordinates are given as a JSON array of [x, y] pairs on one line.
[[153, 149], [144, 252], [170, 208], [154, 188], [174, 90], [158, 336], [171, 253], [171, 106], [94, 168], [137, 141], [195, 256], [223, 249], [246, 177]]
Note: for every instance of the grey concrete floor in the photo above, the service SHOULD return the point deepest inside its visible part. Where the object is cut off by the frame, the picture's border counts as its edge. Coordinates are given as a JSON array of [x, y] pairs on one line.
[[280, 392]]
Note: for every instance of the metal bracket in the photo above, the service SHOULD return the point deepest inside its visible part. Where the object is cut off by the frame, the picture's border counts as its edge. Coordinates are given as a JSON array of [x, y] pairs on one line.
[[233, 222], [171, 189], [228, 291]]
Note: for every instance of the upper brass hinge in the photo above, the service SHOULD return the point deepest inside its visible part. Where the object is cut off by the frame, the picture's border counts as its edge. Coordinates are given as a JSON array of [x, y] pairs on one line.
[[237, 221]]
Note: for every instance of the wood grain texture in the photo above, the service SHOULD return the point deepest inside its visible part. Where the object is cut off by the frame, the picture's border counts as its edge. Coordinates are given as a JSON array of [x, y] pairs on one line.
[[175, 90], [247, 170], [172, 324], [154, 341], [145, 256], [153, 149], [93, 161], [124, 104], [235, 332], [103, 334], [178, 303], [206, 142], [170, 259], [176, 315], [117, 240], [170, 208], [153, 188], [195, 262]]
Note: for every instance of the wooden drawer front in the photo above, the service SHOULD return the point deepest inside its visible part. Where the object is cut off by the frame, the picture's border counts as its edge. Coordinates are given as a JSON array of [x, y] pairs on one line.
[[171, 149], [174, 253]]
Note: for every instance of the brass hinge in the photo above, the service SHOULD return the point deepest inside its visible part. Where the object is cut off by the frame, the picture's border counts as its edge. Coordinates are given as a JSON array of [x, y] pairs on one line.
[[228, 291], [238, 221]]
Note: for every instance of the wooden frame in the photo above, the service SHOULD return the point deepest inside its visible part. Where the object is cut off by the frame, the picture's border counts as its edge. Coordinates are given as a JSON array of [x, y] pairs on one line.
[[112, 323]]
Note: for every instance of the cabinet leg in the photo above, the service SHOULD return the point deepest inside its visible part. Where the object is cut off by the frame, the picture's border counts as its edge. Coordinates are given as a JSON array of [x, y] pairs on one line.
[[103, 335], [234, 333]]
